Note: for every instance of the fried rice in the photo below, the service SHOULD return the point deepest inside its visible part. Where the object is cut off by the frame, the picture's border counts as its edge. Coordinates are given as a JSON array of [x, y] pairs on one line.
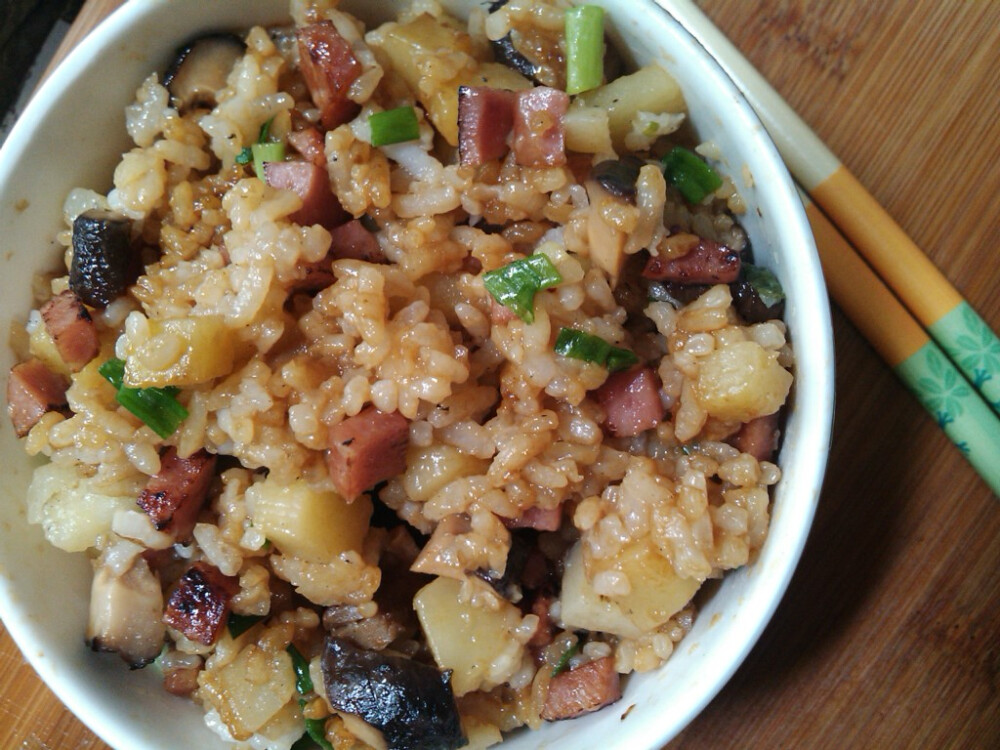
[[527, 543]]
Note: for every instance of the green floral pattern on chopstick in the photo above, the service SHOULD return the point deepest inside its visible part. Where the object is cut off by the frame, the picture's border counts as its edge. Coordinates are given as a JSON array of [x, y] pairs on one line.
[[958, 408], [973, 347], [943, 391]]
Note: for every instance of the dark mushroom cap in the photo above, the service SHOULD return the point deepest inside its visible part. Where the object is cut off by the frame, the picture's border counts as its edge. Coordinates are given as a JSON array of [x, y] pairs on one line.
[[201, 68], [411, 703]]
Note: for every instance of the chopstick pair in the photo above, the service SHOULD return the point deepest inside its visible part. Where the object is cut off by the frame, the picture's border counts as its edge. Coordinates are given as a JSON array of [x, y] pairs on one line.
[[960, 403]]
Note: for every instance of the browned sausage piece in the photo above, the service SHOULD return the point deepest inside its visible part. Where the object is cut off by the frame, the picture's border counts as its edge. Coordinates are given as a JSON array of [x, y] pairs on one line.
[[352, 240], [707, 263], [329, 67], [72, 329], [366, 449], [587, 688], [541, 519], [32, 390], [485, 119], [312, 184], [309, 142], [539, 130], [199, 605], [173, 498], [758, 437], [631, 401]]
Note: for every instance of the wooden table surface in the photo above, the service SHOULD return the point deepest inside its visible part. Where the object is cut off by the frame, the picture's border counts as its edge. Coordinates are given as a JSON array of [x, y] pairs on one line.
[[889, 636]]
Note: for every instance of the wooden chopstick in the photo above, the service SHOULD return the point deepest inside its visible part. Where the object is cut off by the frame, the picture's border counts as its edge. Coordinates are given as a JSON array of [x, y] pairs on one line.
[[904, 345], [91, 14], [948, 318]]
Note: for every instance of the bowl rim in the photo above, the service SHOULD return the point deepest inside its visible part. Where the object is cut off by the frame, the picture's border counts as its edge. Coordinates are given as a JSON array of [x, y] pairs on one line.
[[813, 407]]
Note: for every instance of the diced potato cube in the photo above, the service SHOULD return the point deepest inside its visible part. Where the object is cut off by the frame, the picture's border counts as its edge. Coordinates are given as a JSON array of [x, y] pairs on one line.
[[180, 352], [312, 525], [249, 690], [74, 513], [475, 642], [42, 346], [657, 593], [588, 130], [742, 381], [429, 469], [582, 608], [649, 89]]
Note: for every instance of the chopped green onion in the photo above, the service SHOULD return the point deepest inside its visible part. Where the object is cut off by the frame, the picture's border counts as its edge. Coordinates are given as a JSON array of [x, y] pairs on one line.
[[237, 625], [563, 664], [245, 156], [156, 407], [265, 131], [620, 359], [265, 152], [316, 731], [394, 126], [303, 682], [584, 48], [765, 283], [545, 269], [690, 174], [515, 285], [580, 345]]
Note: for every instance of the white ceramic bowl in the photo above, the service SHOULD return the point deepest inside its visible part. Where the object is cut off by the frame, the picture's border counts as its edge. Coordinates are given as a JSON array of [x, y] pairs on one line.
[[72, 135]]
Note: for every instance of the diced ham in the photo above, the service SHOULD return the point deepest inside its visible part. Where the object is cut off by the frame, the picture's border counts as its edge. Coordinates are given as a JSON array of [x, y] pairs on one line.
[[708, 262], [352, 240], [366, 449], [312, 184], [587, 688], [485, 120], [500, 314], [198, 607], [309, 142], [32, 390], [173, 498], [315, 277], [758, 437], [541, 519], [539, 128], [181, 681], [631, 401], [329, 67], [541, 608], [72, 329]]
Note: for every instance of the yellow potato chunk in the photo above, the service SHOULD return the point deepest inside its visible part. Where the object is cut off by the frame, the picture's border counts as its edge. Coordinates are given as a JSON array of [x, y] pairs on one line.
[[42, 346], [656, 593], [475, 642], [312, 525], [649, 89], [76, 511], [249, 690], [742, 381], [587, 130], [180, 352], [429, 469]]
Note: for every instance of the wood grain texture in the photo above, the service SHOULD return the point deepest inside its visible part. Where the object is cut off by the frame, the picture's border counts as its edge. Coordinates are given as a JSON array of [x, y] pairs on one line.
[[889, 636]]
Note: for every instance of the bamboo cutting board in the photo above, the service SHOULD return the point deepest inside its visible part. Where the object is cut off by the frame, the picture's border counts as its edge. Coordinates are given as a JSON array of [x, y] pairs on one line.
[[889, 636]]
